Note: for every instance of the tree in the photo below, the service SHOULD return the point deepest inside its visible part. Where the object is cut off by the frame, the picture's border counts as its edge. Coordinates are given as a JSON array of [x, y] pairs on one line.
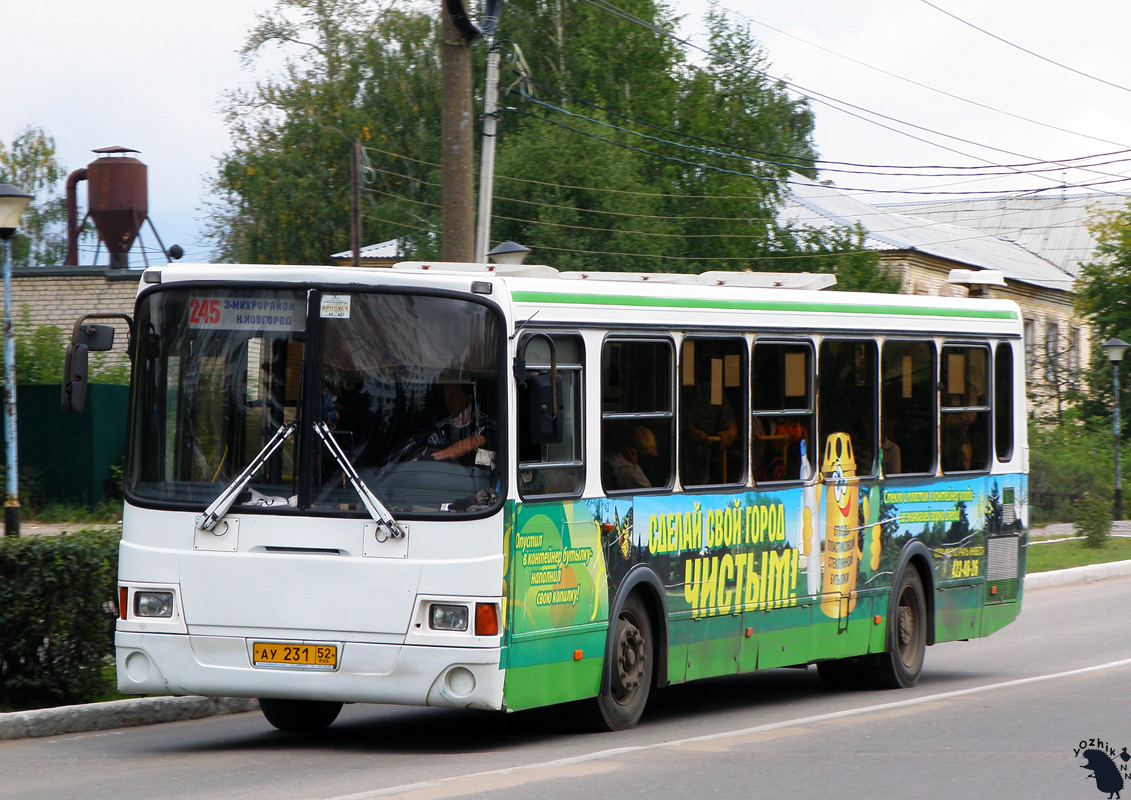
[[1102, 289], [29, 162], [615, 152], [351, 69]]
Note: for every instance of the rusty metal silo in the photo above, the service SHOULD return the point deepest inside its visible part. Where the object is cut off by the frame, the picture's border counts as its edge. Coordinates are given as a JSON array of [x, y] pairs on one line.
[[118, 200]]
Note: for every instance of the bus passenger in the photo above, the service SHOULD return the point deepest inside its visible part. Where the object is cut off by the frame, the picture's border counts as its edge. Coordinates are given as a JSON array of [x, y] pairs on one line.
[[705, 424], [623, 464], [892, 455]]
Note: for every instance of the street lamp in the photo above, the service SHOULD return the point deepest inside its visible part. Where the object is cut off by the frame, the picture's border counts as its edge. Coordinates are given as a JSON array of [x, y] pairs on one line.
[[509, 253], [1114, 350], [13, 201]]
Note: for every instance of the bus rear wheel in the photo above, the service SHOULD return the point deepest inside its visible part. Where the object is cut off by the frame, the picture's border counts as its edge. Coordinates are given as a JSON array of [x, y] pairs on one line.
[[299, 715], [900, 665], [628, 668]]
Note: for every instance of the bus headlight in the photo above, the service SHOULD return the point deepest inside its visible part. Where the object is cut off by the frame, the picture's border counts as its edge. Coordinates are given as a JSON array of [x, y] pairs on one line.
[[153, 604], [447, 618]]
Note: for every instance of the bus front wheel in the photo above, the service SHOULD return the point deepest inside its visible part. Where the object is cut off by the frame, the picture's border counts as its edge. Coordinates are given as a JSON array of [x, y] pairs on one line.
[[628, 668], [299, 715]]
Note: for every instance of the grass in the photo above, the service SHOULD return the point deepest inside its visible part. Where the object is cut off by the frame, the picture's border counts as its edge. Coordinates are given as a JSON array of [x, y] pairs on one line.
[[1062, 555], [107, 513]]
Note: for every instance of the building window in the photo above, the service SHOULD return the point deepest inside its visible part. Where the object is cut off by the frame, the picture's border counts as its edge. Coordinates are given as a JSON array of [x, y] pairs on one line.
[[1052, 351]]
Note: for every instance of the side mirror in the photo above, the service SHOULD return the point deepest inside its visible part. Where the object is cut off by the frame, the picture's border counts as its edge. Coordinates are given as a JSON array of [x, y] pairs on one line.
[[75, 373], [76, 358], [544, 393], [543, 396], [97, 338]]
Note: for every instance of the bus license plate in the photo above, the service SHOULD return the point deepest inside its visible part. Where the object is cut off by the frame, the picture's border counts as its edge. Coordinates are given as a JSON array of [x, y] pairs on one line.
[[295, 656]]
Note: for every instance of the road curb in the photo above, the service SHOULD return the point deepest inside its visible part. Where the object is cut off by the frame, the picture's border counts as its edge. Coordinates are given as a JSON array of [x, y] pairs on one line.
[[116, 714], [153, 710], [1076, 575]]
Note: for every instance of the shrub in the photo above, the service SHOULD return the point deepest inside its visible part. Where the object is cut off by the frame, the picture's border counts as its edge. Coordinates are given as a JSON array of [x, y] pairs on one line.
[[57, 609], [1093, 519], [1066, 462]]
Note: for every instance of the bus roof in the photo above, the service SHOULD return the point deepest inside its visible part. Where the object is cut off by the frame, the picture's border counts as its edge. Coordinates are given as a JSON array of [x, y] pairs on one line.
[[546, 297]]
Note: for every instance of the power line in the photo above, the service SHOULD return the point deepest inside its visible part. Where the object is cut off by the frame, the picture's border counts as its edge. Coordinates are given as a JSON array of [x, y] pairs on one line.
[[1059, 163], [963, 222], [835, 103], [905, 79], [998, 235], [751, 176], [1023, 49], [723, 154]]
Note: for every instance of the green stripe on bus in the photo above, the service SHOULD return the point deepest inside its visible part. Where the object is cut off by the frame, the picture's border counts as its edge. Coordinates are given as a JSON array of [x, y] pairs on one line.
[[755, 305]]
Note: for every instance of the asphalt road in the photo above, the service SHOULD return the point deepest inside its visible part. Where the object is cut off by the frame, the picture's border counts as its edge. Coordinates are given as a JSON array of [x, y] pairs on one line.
[[997, 717]]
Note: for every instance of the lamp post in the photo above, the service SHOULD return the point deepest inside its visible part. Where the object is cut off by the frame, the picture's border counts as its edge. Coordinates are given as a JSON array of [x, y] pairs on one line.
[[13, 201], [1114, 350]]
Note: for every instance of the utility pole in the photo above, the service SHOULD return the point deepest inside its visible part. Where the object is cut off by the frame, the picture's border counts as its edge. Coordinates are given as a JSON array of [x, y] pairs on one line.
[[487, 157], [355, 210], [457, 212]]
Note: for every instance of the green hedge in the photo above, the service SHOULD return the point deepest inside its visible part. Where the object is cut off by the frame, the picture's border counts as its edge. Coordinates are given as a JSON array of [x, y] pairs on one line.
[[58, 603], [1067, 462]]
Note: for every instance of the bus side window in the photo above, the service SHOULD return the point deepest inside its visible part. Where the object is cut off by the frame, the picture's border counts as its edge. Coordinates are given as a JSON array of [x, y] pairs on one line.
[[557, 468], [712, 412], [907, 429], [781, 397], [1003, 401], [637, 415], [965, 419], [848, 397]]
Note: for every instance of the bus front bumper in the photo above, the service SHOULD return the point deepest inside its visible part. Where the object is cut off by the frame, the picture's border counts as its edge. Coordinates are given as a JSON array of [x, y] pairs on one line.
[[220, 666]]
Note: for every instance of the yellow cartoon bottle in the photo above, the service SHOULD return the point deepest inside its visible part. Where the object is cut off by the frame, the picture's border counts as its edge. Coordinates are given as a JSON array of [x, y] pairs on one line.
[[842, 553]]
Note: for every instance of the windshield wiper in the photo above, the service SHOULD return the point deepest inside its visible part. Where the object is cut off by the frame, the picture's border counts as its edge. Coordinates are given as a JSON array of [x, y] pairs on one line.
[[220, 506], [376, 510]]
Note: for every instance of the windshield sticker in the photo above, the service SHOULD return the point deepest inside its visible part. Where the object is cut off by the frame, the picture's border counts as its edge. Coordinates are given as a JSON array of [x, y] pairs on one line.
[[335, 306], [237, 313]]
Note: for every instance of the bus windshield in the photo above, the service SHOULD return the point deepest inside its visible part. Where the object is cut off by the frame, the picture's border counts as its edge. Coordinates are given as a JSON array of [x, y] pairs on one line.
[[408, 387]]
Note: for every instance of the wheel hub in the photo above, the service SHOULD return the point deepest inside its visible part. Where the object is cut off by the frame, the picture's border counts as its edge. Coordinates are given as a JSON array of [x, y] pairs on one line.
[[906, 626], [630, 661]]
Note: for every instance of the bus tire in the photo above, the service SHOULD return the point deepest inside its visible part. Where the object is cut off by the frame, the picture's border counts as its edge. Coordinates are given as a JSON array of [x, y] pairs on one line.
[[299, 715], [629, 667], [899, 666]]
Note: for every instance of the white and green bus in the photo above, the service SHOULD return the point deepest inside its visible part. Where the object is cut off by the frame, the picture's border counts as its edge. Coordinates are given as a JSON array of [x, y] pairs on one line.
[[503, 488]]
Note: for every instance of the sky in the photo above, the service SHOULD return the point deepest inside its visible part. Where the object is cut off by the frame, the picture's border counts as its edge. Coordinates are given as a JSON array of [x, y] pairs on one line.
[[153, 75]]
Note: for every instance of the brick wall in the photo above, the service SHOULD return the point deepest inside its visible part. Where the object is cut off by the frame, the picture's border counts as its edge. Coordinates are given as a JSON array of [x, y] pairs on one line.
[[61, 296]]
